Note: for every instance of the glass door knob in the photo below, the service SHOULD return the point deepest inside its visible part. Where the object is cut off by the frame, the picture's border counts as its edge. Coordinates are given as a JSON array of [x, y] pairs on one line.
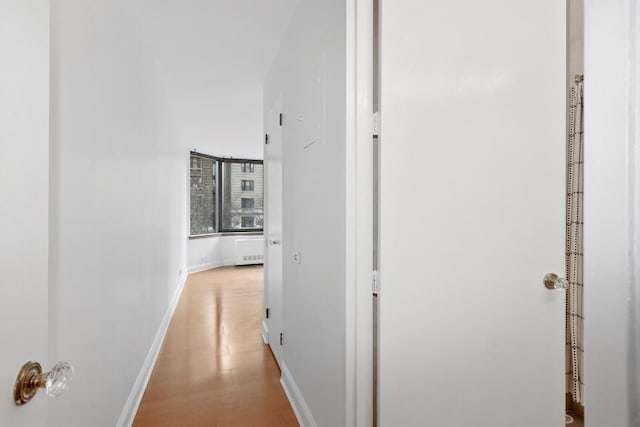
[[31, 378], [552, 281]]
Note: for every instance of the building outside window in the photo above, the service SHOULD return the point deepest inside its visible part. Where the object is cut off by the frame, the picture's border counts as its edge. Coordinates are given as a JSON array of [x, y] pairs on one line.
[[242, 197], [203, 195]]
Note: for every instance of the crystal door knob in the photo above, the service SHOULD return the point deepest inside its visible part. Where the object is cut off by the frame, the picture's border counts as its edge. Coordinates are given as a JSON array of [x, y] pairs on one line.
[[31, 378], [58, 379], [552, 281]]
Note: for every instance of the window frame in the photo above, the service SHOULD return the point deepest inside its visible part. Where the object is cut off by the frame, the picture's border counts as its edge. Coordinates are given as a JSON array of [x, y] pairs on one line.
[[196, 164], [219, 186], [244, 185]]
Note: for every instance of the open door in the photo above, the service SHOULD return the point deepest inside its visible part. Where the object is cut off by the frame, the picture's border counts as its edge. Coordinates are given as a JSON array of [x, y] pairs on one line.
[[472, 209], [24, 209], [273, 226]]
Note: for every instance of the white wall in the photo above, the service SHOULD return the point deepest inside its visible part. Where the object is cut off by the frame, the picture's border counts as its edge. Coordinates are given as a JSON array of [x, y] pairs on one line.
[[213, 252], [228, 126], [209, 252], [575, 38], [118, 192], [611, 212], [310, 73]]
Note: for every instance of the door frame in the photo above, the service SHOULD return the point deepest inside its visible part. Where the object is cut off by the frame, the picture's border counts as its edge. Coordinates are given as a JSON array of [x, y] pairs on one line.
[[359, 214], [612, 212], [267, 323]]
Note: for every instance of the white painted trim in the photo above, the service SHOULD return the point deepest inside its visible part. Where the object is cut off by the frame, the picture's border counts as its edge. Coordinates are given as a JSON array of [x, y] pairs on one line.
[[359, 178], [612, 144], [299, 405], [265, 331], [351, 212], [211, 265], [634, 368], [135, 397], [206, 266]]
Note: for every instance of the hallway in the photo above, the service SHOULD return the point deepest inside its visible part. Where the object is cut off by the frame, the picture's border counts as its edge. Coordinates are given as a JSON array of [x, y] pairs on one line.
[[214, 369]]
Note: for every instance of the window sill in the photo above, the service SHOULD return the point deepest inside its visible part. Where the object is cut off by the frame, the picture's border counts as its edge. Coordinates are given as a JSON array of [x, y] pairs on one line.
[[227, 233]]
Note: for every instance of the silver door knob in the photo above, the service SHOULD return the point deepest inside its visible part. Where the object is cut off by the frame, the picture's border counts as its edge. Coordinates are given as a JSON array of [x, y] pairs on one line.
[[274, 242], [552, 281], [30, 379]]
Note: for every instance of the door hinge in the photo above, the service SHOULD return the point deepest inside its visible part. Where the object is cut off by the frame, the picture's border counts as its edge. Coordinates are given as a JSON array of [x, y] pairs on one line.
[[280, 119], [267, 313], [281, 338], [266, 138], [375, 282], [376, 123]]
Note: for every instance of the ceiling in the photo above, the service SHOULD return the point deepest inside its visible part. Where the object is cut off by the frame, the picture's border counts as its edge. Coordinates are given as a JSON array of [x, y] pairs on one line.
[[210, 58]]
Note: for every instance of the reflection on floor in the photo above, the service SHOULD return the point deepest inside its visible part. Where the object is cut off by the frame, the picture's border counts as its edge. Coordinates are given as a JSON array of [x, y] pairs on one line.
[[214, 369]]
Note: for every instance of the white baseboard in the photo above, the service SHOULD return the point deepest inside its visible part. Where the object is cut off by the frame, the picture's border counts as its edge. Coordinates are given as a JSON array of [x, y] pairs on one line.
[[206, 266], [300, 408], [135, 397], [211, 265], [265, 331]]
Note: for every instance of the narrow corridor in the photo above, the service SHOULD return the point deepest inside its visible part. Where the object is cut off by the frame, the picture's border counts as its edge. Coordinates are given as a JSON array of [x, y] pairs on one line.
[[214, 369]]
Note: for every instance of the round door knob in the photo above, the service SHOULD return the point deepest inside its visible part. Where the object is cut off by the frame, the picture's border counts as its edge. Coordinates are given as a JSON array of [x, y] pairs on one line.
[[58, 379], [552, 281], [31, 378]]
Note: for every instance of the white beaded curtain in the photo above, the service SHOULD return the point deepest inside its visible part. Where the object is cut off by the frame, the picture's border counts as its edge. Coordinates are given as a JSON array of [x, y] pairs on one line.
[[574, 248]]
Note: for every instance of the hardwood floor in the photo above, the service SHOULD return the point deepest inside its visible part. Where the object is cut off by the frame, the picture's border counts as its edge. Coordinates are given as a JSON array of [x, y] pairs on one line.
[[578, 420], [213, 369]]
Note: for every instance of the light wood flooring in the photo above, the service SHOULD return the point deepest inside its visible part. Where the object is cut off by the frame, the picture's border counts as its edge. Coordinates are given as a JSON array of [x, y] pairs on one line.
[[213, 369]]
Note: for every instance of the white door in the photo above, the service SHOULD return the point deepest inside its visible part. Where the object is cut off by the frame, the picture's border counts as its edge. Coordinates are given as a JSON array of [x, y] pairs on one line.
[[472, 213], [24, 200], [273, 226]]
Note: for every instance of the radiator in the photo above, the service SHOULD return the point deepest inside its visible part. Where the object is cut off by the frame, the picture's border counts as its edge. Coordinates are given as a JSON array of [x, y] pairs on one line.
[[249, 251]]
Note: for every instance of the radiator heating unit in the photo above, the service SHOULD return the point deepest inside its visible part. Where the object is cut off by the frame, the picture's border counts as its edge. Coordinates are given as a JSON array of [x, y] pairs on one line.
[[249, 251]]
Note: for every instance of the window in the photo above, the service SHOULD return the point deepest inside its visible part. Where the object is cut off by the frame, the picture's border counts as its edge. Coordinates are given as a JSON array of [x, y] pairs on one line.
[[248, 222], [219, 200], [246, 185], [237, 206], [246, 203], [203, 195]]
